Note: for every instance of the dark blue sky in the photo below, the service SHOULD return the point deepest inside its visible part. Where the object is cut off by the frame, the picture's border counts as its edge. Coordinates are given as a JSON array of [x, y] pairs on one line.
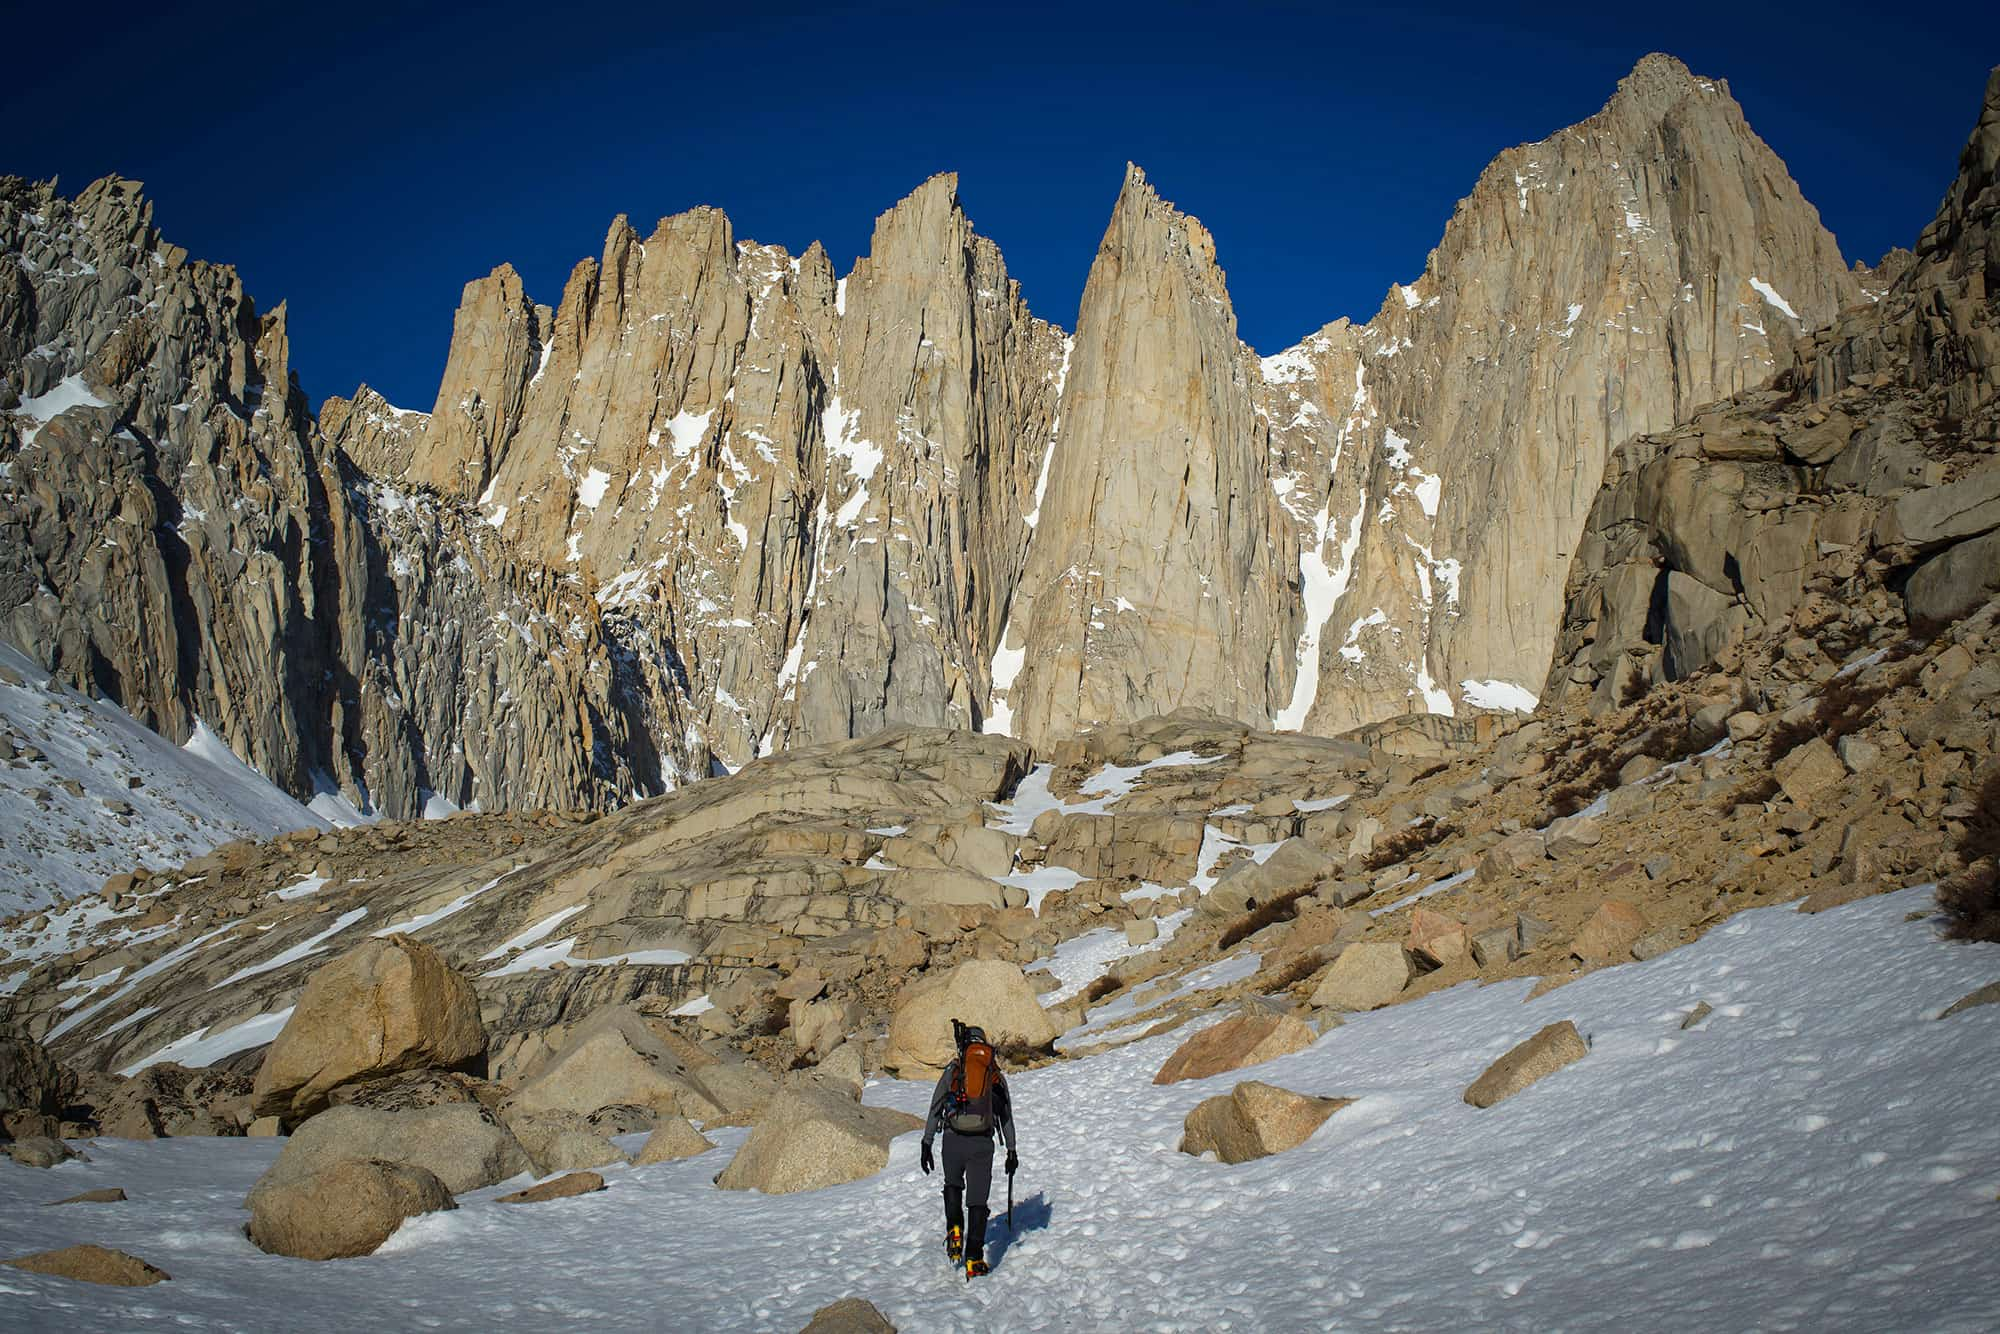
[[365, 164]]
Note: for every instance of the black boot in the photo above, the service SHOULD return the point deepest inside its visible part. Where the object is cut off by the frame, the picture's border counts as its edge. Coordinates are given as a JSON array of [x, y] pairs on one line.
[[975, 1242], [954, 1222]]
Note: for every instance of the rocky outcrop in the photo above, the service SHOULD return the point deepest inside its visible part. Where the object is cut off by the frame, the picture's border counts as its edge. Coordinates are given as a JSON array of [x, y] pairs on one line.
[[177, 534], [1605, 281], [33, 1088], [1863, 464], [1148, 585]]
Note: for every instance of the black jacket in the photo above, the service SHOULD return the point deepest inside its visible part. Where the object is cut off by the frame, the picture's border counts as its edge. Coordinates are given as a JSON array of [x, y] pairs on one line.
[[1003, 1107]]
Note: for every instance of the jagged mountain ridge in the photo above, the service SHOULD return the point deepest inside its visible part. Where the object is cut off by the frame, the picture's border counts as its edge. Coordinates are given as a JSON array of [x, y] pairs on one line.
[[730, 502], [177, 536]]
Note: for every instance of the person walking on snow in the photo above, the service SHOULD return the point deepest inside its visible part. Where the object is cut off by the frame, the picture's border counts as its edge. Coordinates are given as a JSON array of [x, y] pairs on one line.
[[970, 1103]]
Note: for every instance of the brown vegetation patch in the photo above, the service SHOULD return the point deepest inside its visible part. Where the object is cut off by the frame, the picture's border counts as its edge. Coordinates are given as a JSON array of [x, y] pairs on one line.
[[1292, 971], [1591, 764], [1971, 899], [1283, 908], [1102, 987], [1406, 843]]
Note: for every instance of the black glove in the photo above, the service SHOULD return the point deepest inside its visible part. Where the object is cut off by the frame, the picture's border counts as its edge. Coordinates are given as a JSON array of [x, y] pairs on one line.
[[924, 1159], [1013, 1161]]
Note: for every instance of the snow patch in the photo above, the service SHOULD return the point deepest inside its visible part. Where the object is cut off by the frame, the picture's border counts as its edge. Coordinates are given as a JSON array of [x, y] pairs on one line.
[[199, 1048], [1770, 294], [1502, 695]]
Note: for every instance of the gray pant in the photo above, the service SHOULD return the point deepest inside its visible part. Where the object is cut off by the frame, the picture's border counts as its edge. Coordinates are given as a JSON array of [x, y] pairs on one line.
[[968, 1170]]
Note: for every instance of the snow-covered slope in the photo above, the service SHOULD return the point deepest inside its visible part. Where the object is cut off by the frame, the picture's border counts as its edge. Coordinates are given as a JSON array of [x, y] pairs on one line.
[[74, 815], [1819, 1153]]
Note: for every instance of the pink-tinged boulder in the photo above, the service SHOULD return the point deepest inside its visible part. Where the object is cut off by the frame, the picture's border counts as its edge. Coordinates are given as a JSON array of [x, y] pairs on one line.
[[1248, 1038]]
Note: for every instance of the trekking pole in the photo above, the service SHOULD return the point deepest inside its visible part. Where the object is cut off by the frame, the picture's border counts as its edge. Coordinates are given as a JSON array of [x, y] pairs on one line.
[[1010, 1205]]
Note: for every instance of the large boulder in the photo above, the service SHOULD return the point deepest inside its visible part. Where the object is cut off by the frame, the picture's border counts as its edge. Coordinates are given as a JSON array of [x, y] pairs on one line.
[[1573, 834], [818, 1026], [1255, 1120], [1293, 868], [1932, 514], [1516, 852], [1808, 770], [1953, 583], [615, 1058], [991, 993], [37, 1151], [1368, 973], [383, 1007], [462, 1145], [811, 1137], [343, 1209], [1700, 623], [1436, 938], [1538, 1057], [562, 1142], [1255, 1035], [92, 1264]]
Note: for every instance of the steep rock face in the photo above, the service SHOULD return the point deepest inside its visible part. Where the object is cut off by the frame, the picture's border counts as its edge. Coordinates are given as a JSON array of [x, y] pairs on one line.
[[178, 536], [1603, 282], [1866, 461], [820, 507], [1149, 583], [164, 518], [803, 493], [945, 378]]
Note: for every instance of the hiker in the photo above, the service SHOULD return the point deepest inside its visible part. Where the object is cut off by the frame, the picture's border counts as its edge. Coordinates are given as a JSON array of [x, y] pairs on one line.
[[970, 1103]]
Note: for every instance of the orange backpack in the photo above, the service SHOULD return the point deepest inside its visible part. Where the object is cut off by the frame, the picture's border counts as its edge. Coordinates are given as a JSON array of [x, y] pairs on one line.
[[970, 1111]]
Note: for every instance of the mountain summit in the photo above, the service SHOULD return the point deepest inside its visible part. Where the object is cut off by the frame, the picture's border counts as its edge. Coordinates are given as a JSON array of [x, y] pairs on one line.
[[717, 500]]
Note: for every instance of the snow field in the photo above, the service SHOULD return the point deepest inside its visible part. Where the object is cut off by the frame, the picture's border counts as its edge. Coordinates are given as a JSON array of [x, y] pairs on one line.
[[188, 800], [1820, 1153]]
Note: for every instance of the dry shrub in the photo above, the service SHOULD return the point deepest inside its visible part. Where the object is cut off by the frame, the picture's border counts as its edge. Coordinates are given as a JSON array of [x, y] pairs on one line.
[[1756, 792], [1405, 843], [1656, 728], [1971, 899], [1292, 971], [1022, 1056], [1843, 707], [1283, 908]]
